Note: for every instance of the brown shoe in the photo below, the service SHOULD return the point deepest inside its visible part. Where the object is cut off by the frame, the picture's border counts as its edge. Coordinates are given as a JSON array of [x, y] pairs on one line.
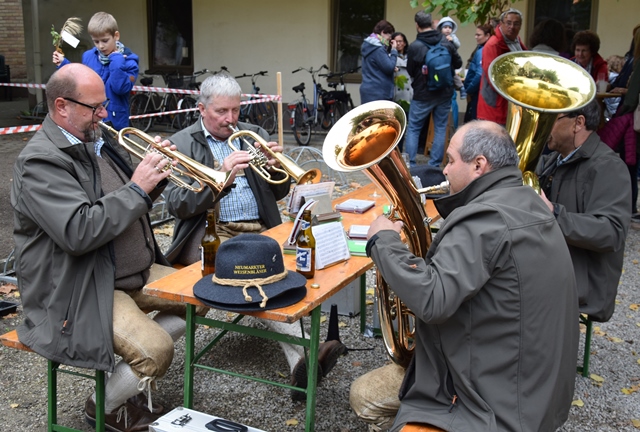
[[127, 418], [328, 354], [141, 401]]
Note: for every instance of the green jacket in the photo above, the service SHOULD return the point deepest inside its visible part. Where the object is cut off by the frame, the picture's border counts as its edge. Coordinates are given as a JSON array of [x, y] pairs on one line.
[[63, 227], [496, 312]]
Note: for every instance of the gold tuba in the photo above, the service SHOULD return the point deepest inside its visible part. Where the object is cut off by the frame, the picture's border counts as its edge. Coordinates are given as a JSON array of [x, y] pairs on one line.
[[202, 174], [365, 139], [537, 87]]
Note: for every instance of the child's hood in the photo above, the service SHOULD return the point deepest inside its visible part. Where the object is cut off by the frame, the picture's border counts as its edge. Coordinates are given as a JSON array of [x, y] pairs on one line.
[[447, 19]]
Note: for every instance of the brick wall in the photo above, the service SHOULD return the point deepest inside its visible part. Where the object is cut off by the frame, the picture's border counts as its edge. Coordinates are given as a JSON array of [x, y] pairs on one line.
[[12, 39]]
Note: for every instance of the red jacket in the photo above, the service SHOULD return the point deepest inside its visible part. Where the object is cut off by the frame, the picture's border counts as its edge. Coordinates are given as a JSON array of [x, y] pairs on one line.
[[492, 106], [619, 131], [599, 67]]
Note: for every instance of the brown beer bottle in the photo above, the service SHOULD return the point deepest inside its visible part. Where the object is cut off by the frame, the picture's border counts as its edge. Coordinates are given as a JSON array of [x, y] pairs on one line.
[[306, 248], [209, 245]]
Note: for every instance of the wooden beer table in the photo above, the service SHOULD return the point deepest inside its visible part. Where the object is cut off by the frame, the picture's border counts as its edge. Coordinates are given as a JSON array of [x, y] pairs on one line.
[[178, 286]]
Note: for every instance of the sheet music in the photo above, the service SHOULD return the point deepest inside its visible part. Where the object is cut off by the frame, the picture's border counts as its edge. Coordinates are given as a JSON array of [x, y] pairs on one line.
[[331, 244], [308, 190]]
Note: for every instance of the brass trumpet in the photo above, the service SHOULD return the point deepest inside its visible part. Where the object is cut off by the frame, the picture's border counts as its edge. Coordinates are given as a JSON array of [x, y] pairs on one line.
[[441, 188], [202, 174], [259, 161]]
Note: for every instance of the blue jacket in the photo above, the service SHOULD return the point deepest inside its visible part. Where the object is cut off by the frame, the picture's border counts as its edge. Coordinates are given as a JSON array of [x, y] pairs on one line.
[[377, 71], [118, 76], [472, 80]]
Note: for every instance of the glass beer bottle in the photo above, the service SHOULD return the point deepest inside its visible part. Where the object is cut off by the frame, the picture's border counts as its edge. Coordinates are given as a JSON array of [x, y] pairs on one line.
[[209, 245], [306, 248]]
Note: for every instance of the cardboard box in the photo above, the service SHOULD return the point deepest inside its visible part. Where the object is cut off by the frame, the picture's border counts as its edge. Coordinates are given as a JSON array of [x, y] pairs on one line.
[[347, 299]]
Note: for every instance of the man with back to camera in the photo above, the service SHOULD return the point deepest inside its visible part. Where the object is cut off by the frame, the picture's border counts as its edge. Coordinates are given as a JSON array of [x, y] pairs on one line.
[[492, 106], [250, 207], [496, 339], [85, 249], [425, 102], [586, 186]]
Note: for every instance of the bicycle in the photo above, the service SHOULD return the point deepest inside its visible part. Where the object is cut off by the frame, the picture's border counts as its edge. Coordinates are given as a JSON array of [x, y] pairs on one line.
[[336, 102], [147, 103], [304, 117], [263, 114]]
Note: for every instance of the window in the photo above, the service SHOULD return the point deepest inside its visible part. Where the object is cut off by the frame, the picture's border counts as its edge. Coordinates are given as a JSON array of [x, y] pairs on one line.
[[170, 27], [353, 21], [576, 14]]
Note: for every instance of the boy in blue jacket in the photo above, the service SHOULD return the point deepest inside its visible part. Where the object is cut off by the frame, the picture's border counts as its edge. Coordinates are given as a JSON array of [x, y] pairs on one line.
[[116, 64]]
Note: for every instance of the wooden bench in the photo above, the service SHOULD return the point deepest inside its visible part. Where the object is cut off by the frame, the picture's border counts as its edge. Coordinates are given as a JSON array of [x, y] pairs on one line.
[[11, 340]]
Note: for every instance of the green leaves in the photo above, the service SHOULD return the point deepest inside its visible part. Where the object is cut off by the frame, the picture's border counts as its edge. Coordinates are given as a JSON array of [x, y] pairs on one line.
[[466, 11]]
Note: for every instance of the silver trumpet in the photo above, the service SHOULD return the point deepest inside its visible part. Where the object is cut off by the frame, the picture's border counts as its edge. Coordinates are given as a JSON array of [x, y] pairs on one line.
[[441, 188]]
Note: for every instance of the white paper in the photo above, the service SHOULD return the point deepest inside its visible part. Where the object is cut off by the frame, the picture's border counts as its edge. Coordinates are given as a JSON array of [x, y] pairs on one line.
[[355, 205], [331, 244], [308, 190], [69, 38], [358, 231], [297, 222]]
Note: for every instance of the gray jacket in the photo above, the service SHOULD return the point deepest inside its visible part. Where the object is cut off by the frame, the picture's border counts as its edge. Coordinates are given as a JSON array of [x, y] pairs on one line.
[[497, 316], [190, 208], [63, 228], [593, 196]]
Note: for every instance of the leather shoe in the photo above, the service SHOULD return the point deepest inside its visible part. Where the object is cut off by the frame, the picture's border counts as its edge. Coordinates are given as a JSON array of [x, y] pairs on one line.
[[141, 401], [127, 418], [328, 354]]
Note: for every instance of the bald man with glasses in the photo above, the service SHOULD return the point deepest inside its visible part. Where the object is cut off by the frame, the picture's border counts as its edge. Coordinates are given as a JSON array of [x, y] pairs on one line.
[[85, 249]]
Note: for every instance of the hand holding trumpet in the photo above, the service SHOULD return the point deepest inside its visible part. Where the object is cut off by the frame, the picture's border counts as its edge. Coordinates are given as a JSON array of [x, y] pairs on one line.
[[153, 168]]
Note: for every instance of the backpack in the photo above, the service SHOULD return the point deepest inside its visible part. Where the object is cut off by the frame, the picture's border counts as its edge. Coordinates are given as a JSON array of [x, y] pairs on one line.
[[438, 63]]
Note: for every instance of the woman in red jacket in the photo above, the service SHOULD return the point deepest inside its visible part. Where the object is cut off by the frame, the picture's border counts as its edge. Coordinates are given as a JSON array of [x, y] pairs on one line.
[[585, 46]]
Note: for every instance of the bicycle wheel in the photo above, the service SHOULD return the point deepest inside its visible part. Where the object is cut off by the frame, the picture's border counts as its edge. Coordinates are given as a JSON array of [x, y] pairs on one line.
[[301, 127], [187, 118], [139, 105], [267, 116]]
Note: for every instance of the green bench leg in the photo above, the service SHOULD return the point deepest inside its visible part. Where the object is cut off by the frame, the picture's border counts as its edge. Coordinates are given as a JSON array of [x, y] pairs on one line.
[[52, 393], [584, 370]]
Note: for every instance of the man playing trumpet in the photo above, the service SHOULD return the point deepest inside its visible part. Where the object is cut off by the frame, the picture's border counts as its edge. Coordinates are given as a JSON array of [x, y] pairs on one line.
[[83, 251], [250, 206]]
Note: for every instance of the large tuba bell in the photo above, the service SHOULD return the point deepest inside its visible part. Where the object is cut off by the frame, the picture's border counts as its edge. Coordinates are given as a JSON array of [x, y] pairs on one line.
[[365, 139], [537, 87]]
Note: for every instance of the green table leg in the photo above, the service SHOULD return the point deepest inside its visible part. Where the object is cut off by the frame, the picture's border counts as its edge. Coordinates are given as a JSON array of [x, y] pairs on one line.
[[100, 384], [363, 302], [312, 377], [190, 340], [52, 385]]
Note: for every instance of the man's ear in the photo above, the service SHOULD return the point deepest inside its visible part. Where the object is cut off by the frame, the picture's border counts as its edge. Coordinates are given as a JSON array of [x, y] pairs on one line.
[[481, 165], [61, 107]]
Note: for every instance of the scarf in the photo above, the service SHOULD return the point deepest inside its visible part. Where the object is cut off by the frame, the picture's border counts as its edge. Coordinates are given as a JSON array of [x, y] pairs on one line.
[[105, 59]]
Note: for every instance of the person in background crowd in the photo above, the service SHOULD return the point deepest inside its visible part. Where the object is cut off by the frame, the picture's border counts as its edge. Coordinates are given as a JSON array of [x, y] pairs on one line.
[[620, 127], [548, 37], [116, 64], [403, 90], [425, 102], [615, 63], [474, 72], [586, 187], [585, 47], [378, 64], [448, 28], [495, 338], [492, 106]]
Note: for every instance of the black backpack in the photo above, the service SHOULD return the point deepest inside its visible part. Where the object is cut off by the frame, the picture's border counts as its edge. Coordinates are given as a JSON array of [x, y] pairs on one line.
[[438, 63]]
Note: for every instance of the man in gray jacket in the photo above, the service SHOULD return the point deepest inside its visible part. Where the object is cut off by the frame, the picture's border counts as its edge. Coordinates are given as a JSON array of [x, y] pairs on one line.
[[250, 207], [84, 250], [496, 309], [585, 187]]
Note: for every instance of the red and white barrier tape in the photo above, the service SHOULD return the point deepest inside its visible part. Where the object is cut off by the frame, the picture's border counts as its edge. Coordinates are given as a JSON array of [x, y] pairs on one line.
[[23, 85], [19, 129]]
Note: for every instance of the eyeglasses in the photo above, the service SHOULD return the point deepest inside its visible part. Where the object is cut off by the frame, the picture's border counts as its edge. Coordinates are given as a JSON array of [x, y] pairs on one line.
[[98, 108], [566, 115], [512, 23]]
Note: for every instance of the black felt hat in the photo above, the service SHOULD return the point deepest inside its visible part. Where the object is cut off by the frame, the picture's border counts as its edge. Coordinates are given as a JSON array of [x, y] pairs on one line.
[[250, 276]]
